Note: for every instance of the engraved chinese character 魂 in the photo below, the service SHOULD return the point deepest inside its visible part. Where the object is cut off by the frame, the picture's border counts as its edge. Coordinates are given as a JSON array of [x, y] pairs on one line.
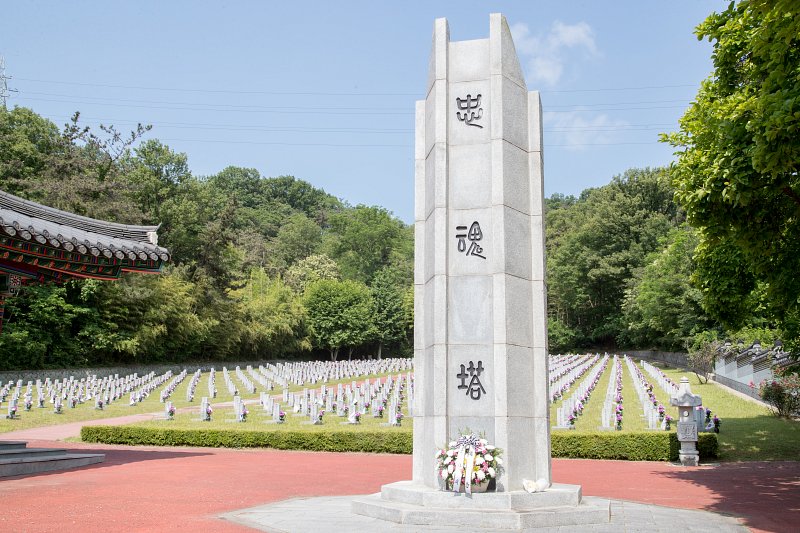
[[474, 235], [469, 110], [475, 387]]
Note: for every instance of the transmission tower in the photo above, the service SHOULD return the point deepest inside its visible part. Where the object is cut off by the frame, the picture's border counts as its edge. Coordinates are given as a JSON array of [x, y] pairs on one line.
[[5, 92]]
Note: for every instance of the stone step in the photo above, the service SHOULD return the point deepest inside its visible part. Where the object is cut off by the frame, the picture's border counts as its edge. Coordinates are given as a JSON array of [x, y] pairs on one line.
[[558, 495], [12, 444], [596, 512], [24, 453], [35, 465]]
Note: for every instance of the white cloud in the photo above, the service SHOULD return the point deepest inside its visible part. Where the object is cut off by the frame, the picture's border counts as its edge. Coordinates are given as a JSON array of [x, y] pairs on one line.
[[545, 55], [579, 130]]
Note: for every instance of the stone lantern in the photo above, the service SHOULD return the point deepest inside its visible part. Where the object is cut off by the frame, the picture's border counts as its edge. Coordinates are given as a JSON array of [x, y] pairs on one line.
[[686, 402]]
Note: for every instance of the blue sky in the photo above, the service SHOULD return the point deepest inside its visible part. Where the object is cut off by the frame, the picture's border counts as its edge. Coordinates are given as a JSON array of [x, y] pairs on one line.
[[325, 90]]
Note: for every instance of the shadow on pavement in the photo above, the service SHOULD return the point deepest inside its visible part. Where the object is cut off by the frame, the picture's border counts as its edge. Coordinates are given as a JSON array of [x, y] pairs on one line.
[[765, 494]]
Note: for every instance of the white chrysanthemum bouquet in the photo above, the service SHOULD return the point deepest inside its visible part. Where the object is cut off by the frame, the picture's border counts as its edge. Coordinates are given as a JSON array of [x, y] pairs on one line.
[[468, 464]]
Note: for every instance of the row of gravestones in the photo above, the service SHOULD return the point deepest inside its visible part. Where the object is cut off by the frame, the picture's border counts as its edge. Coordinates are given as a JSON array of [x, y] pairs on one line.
[[73, 392], [701, 415], [654, 412], [352, 401]]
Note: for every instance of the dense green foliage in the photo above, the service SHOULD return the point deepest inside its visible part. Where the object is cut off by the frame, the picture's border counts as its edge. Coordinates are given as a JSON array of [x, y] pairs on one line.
[[245, 248], [631, 446], [596, 245], [737, 170], [396, 441]]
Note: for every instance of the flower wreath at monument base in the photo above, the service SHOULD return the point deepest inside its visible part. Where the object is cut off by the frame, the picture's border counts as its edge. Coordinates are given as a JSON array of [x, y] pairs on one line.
[[468, 464]]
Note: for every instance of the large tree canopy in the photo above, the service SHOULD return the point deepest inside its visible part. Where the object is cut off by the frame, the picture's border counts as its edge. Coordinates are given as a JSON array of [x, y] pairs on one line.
[[737, 169]]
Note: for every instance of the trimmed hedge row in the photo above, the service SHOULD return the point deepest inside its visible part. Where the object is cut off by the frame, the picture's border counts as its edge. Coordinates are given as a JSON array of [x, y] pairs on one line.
[[635, 446], [639, 446], [318, 441]]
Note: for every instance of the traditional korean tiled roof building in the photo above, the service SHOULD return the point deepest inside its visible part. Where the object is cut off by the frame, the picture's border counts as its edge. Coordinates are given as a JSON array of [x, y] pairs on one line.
[[40, 243]]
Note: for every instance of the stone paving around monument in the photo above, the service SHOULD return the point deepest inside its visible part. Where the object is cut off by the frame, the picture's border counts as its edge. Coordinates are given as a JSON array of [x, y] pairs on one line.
[[303, 515]]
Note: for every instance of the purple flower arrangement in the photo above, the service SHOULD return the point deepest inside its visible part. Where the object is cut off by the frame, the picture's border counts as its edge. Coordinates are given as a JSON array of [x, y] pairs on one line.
[[619, 409]]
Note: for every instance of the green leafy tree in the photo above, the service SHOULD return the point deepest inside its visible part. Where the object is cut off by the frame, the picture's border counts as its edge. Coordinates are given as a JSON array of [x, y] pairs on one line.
[[150, 318], [596, 244], [297, 239], [273, 318], [737, 169], [340, 315], [301, 196], [156, 172], [76, 170], [389, 319], [312, 268], [362, 241], [662, 308]]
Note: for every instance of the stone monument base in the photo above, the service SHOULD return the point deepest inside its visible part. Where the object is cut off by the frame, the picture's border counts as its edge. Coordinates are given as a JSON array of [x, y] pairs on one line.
[[408, 503]]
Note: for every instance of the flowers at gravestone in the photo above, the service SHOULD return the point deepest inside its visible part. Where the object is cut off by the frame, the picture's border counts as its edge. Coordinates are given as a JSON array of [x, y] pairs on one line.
[[572, 418], [358, 417], [243, 414], [320, 414], [207, 414], [379, 412], [281, 416], [717, 422], [12, 411], [398, 418], [171, 412], [708, 416], [468, 463], [661, 412], [73, 402], [667, 422], [28, 404]]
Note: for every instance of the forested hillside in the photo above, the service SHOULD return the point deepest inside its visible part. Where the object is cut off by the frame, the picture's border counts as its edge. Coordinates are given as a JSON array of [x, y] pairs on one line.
[[267, 267]]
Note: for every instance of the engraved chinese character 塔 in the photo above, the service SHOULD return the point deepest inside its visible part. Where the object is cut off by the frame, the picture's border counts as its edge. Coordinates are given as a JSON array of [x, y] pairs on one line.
[[474, 388], [469, 110]]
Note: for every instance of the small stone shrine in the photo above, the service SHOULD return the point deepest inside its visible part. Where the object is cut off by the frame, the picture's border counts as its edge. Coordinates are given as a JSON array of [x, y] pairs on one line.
[[686, 402], [480, 343]]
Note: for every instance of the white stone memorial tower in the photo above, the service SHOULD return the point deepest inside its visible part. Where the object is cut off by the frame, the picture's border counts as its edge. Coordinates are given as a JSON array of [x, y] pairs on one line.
[[480, 298], [480, 348]]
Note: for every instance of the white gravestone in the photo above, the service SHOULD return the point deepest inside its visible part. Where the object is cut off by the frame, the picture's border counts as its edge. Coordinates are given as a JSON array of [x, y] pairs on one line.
[[480, 322]]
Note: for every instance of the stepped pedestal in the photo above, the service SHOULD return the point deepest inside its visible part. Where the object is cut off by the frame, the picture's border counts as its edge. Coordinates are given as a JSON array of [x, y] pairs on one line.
[[413, 504]]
